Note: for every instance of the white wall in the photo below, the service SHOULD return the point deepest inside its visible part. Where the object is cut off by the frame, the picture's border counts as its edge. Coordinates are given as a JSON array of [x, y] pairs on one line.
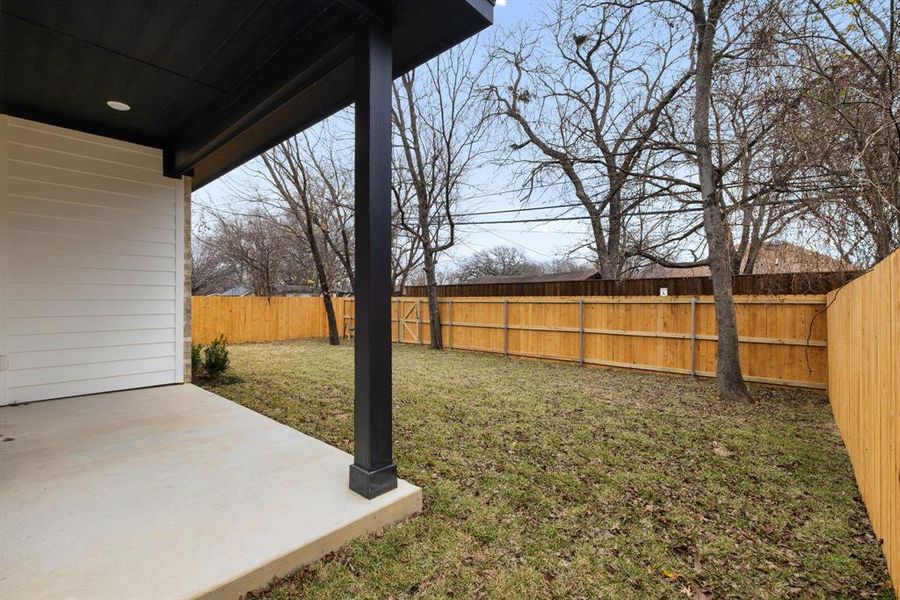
[[91, 280]]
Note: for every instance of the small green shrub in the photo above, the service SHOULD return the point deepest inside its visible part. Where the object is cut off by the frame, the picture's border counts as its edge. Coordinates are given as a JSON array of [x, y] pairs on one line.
[[196, 360], [216, 357]]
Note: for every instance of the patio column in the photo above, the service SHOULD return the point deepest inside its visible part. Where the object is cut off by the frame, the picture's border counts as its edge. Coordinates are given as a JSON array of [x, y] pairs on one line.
[[373, 471]]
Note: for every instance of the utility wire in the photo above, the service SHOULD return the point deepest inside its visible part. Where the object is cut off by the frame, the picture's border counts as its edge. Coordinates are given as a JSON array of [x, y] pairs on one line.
[[658, 212], [497, 235]]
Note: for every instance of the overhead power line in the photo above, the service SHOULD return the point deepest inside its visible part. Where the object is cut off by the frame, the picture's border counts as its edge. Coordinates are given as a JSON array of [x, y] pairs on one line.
[[642, 213]]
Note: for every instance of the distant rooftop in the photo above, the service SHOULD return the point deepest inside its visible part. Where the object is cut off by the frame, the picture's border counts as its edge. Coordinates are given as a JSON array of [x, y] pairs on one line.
[[773, 257], [582, 275]]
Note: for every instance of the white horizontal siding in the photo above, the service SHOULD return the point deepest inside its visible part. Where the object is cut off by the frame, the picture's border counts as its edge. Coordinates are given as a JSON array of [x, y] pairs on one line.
[[59, 358], [73, 211], [87, 340], [118, 168], [19, 169], [84, 275], [63, 140], [47, 290], [21, 378], [88, 308], [83, 227], [61, 192], [61, 242], [89, 386], [57, 325], [92, 275], [93, 260]]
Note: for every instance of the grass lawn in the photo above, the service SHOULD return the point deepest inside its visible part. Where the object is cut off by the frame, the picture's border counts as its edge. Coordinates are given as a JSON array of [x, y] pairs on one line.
[[546, 480]]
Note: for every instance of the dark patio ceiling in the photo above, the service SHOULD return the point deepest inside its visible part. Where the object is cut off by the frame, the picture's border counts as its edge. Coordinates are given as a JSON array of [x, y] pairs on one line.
[[211, 82]]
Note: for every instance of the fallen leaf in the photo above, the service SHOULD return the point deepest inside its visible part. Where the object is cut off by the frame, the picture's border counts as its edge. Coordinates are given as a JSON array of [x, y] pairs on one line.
[[673, 575], [721, 450]]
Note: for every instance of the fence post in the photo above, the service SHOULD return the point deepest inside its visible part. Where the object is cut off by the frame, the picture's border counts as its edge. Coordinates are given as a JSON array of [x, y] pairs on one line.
[[450, 324], [506, 327], [581, 331], [397, 307], [693, 337]]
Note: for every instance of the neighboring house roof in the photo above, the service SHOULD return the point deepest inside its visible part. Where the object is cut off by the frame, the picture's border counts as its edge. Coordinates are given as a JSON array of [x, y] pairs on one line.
[[660, 272], [238, 290], [784, 257], [280, 290], [582, 275], [773, 257]]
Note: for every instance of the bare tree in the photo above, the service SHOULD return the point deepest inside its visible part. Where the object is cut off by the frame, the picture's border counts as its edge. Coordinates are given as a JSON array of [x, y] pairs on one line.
[[848, 52], [755, 164], [212, 272], [744, 167], [588, 110], [406, 246], [718, 235], [495, 262], [334, 215], [406, 258], [566, 264], [438, 117], [250, 242], [307, 199]]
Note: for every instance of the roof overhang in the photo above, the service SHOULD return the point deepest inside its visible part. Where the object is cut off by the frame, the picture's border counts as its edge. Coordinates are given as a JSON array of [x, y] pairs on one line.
[[211, 82]]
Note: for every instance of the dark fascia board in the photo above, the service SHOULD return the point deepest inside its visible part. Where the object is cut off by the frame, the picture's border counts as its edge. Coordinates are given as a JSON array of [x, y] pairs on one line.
[[320, 91]]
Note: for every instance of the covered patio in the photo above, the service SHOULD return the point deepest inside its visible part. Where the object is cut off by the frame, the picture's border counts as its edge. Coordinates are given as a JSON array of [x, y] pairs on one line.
[[117, 480], [170, 492]]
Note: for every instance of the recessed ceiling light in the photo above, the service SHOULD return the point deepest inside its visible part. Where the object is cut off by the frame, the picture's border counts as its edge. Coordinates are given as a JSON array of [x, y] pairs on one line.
[[116, 105]]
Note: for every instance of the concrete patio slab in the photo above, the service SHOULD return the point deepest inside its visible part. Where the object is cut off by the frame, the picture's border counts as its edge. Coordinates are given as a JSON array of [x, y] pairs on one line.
[[169, 492]]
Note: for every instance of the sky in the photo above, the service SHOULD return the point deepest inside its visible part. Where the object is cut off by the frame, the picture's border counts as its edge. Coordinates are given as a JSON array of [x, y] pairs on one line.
[[492, 188]]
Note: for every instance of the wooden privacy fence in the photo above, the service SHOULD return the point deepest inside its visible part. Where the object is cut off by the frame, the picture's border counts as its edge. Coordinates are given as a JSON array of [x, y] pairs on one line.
[[783, 338], [259, 319], [864, 389]]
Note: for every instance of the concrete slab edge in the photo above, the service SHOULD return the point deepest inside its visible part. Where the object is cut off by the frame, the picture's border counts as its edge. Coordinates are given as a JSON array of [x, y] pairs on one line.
[[259, 578]]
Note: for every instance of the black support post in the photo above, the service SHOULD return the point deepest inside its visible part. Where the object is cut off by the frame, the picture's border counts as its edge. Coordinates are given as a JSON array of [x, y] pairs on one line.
[[373, 471]]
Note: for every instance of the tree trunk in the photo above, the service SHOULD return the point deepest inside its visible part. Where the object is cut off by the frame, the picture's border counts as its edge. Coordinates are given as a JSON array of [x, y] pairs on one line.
[[728, 366], [434, 314], [614, 237], [333, 337]]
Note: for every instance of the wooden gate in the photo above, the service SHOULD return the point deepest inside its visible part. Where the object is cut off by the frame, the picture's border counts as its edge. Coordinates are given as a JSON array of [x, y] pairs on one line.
[[409, 320]]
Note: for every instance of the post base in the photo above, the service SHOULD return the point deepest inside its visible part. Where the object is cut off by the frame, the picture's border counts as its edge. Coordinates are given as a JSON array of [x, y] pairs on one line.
[[370, 484]]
